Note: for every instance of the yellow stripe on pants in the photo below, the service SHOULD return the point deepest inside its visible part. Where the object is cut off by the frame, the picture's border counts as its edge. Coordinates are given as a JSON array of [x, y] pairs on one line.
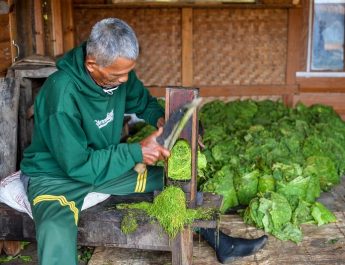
[[141, 182], [63, 202]]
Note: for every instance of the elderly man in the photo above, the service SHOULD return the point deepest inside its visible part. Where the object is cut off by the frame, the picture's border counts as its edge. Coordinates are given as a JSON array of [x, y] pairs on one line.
[[76, 145]]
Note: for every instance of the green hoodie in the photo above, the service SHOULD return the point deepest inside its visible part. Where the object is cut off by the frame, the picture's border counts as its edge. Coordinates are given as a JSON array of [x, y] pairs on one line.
[[78, 126]]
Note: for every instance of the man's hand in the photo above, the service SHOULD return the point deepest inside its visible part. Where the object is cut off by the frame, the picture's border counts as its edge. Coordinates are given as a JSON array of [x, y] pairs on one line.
[[152, 151], [160, 122]]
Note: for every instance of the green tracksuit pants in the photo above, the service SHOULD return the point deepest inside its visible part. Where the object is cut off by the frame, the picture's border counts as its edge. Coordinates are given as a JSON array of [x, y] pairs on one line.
[[56, 203]]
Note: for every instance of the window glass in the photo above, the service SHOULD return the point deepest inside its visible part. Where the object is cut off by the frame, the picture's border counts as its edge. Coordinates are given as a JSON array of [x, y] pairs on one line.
[[328, 36]]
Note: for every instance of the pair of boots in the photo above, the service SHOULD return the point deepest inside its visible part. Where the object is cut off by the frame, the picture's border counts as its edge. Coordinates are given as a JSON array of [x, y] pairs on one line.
[[230, 248]]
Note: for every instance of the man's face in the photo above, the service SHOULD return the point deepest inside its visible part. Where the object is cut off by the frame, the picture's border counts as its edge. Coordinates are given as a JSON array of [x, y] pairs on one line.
[[112, 75]]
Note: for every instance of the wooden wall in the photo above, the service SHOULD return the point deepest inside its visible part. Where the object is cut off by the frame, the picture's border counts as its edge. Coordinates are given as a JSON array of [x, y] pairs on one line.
[[227, 50], [224, 50], [6, 31]]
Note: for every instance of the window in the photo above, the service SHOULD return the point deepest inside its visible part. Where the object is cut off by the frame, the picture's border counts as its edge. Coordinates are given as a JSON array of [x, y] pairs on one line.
[[327, 51], [326, 39]]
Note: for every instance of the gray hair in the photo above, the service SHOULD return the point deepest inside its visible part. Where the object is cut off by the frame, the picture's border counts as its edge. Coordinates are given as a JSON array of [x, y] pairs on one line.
[[110, 39]]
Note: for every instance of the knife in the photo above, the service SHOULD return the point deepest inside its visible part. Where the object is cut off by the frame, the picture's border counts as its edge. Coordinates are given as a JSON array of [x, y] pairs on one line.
[[173, 128]]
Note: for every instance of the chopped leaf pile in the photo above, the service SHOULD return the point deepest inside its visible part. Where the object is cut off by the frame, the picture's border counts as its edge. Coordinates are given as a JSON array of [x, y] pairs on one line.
[[180, 161], [170, 210]]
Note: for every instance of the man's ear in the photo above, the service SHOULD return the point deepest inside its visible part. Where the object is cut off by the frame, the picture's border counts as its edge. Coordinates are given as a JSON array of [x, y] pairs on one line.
[[90, 64]]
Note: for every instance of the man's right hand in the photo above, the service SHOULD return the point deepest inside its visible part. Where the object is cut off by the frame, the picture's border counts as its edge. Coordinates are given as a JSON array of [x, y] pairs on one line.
[[151, 150]]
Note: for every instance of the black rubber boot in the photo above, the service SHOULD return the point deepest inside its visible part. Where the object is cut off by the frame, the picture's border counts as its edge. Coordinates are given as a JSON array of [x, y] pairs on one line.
[[230, 248]]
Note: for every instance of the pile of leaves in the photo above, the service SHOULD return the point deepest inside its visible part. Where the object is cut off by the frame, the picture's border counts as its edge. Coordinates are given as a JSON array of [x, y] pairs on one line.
[[169, 209], [274, 160]]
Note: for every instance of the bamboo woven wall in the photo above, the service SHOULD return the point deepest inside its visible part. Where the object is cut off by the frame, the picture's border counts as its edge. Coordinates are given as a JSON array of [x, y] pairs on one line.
[[239, 46], [230, 46], [159, 35]]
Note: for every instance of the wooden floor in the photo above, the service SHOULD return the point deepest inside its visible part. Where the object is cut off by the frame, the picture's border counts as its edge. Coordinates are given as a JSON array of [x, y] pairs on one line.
[[323, 245]]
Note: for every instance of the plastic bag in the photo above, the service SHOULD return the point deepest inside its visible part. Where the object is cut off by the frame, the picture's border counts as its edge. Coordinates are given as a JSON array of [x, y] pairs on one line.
[[13, 194]]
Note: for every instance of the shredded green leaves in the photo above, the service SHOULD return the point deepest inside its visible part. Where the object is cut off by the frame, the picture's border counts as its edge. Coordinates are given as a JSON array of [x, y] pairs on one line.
[[170, 210]]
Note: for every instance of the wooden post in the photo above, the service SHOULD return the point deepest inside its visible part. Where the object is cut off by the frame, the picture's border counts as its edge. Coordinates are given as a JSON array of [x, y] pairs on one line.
[[25, 124], [176, 97], [67, 24], [39, 31], [57, 27], [9, 98], [182, 248], [293, 51]]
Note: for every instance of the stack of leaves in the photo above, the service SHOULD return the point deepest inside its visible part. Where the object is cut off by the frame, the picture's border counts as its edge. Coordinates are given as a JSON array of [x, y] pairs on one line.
[[264, 155]]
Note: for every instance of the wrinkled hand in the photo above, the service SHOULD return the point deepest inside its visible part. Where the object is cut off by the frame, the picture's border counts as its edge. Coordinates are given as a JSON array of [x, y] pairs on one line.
[[152, 151]]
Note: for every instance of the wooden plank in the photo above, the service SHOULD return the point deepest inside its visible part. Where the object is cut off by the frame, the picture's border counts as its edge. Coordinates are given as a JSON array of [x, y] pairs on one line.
[[57, 27], [236, 90], [39, 31], [67, 24], [304, 36], [250, 90], [39, 72], [321, 84], [187, 47], [294, 47], [25, 124], [182, 248], [188, 4], [4, 24], [9, 100], [336, 100], [5, 57]]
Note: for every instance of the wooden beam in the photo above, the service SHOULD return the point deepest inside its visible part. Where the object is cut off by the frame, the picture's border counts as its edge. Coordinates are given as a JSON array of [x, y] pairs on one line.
[[234, 90], [321, 84], [57, 36], [39, 31], [187, 47], [13, 31], [304, 36], [294, 45], [182, 248], [293, 50], [67, 24], [186, 4]]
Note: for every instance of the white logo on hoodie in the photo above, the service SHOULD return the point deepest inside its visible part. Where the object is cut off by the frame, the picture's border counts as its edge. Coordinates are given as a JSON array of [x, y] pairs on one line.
[[101, 123]]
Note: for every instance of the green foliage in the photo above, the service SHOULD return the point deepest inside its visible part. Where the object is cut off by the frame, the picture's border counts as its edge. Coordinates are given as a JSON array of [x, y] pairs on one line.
[[268, 148], [129, 223], [180, 161], [258, 152], [21, 258], [222, 184], [321, 214], [170, 210], [85, 253]]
